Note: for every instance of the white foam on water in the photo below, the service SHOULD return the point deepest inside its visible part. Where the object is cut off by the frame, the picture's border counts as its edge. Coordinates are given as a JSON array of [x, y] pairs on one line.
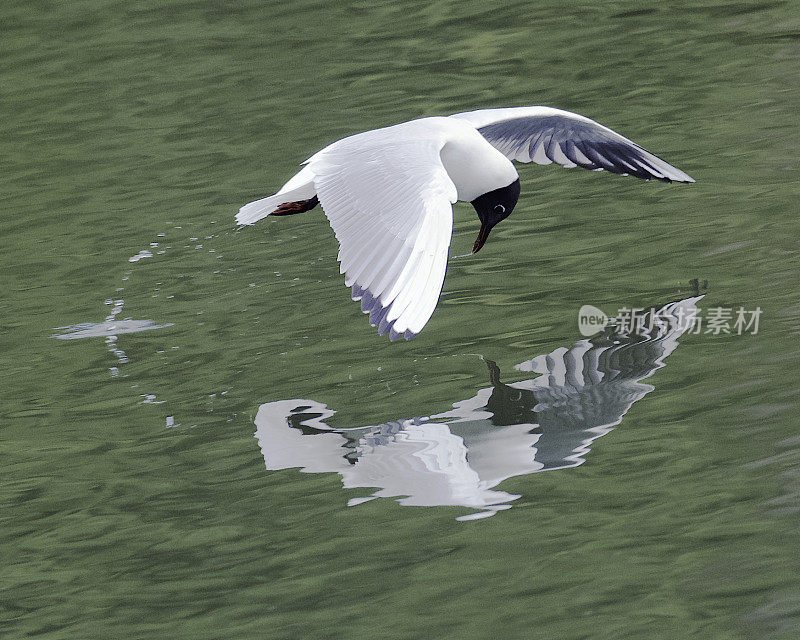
[[144, 253], [106, 329]]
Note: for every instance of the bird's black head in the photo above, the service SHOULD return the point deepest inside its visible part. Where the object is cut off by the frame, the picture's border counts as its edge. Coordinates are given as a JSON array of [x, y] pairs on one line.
[[492, 207]]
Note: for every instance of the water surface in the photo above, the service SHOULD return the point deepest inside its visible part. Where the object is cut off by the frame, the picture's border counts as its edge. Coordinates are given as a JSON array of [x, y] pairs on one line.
[[136, 499]]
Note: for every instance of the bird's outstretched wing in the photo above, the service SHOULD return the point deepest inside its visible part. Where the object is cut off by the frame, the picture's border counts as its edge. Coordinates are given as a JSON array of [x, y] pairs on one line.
[[389, 203], [545, 135]]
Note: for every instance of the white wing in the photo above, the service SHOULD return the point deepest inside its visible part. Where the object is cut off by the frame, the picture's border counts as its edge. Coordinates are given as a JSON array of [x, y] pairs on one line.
[[545, 135], [389, 202]]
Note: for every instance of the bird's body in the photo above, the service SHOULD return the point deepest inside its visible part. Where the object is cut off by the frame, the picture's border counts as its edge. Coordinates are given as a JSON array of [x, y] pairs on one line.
[[388, 194]]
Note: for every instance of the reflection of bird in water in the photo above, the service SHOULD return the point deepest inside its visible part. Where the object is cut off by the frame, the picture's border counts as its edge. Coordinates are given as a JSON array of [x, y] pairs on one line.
[[458, 456], [388, 194]]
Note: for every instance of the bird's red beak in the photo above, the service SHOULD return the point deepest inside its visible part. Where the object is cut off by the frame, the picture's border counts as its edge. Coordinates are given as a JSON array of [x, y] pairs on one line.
[[481, 239]]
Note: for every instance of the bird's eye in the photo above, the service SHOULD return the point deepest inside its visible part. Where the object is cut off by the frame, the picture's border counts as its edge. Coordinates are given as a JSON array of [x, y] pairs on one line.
[[499, 209]]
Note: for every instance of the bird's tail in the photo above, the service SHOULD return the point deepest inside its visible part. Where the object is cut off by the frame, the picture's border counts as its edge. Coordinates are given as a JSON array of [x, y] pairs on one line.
[[295, 196], [252, 212]]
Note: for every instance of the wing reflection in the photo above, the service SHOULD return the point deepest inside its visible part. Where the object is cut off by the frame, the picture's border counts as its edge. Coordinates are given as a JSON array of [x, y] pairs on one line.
[[457, 457]]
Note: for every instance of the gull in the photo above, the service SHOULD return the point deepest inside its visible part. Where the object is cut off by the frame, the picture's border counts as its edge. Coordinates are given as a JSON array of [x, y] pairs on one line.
[[388, 194]]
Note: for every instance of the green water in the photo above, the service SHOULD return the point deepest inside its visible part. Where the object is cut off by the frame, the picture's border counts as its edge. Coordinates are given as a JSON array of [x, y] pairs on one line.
[[136, 500]]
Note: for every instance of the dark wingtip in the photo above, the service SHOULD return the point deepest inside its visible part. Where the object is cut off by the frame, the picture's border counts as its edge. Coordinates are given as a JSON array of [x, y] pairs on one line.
[[377, 314], [356, 292]]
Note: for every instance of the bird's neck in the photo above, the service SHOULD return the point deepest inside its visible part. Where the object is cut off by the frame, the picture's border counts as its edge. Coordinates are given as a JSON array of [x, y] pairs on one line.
[[475, 166]]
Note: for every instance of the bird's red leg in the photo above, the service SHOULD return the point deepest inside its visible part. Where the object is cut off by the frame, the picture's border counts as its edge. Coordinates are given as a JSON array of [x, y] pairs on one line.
[[290, 208]]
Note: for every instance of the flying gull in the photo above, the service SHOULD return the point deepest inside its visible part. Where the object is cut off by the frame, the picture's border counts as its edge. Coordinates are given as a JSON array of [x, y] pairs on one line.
[[388, 194]]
